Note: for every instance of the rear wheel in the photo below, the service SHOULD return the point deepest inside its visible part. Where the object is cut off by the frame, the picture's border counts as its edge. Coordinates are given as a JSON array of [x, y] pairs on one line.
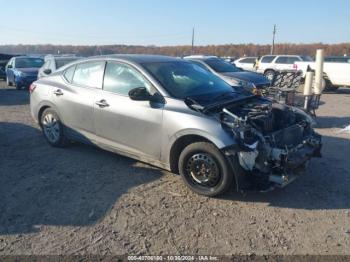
[[204, 169], [270, 75], [53, 128]]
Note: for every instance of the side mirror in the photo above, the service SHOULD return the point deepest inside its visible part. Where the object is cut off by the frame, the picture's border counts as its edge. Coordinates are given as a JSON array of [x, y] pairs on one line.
[[47, 71], [9, 66], [140, 94]]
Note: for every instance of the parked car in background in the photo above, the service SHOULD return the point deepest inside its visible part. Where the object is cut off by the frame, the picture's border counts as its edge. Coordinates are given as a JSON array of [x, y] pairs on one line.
[[246, 63], [270, 64], [337, 59], [230, 73], [228, 59], [4, 58], [54, 62], [336, 74], [21, 71], [176, 115], [2, 72]]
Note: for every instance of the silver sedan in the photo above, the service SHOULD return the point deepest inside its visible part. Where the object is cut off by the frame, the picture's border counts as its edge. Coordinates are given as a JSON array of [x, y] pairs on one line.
[[175, 115]]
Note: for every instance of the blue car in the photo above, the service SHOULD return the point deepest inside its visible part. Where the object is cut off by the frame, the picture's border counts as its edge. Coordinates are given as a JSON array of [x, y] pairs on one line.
[[2, 72], [22, 71]]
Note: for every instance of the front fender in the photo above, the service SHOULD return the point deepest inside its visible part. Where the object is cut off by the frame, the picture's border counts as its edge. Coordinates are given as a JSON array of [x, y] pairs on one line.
[[221, 140]]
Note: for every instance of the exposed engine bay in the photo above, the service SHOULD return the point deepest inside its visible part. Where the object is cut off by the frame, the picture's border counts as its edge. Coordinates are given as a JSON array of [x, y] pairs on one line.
[[274, 141]]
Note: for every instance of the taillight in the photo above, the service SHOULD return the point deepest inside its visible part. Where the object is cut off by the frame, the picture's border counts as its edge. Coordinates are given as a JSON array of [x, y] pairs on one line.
[[32, 87], [295, 66]]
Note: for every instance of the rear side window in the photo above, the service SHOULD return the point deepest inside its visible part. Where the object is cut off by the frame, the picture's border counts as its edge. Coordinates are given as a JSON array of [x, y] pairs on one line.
[[268, 59], [69, 73], [287, 60], [281, 60], [120, 79], [337, 59], [89, 74]]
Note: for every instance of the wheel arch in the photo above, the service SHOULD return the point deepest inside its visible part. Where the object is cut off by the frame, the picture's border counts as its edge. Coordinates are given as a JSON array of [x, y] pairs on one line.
[[269, 69], [185, 137], [43, 106], [41, 111], [179, 145]]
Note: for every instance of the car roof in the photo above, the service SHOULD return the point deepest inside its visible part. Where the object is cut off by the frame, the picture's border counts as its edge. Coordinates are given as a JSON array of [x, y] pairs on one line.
[[138, 58], [283, 55], [244, 57], [60, 56], [28, 56], [201, 57]]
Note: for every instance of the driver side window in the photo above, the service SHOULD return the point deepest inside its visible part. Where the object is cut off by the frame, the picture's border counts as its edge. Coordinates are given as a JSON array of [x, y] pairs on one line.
[[120, 79]]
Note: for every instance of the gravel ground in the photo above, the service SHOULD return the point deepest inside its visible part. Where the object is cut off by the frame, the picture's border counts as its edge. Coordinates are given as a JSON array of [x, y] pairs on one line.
[[83, 200]]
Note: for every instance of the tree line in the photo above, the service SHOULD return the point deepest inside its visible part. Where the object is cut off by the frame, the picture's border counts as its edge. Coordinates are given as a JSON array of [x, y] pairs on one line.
[[232, 50]]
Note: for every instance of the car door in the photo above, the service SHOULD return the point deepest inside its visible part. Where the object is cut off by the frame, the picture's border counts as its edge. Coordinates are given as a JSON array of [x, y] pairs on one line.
[[133, 127], [75, 99], [247, 64], [266, 62], [286, 62], [9, 70]]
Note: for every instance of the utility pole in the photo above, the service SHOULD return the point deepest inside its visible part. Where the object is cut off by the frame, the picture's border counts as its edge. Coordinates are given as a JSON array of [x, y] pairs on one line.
[[273, 39], [192, 50]]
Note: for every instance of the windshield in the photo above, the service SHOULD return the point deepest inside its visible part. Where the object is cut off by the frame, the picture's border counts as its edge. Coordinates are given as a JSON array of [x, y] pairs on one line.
[[63, 61], [183, 79], [220, 66], [29, 62]]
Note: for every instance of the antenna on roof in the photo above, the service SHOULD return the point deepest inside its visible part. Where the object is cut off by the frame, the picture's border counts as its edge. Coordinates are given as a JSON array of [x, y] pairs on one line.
[[273, 39], [192, 49]]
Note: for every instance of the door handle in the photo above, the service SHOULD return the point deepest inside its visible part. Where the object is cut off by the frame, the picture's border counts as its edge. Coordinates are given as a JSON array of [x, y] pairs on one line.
[[102, 103], [58, 92]]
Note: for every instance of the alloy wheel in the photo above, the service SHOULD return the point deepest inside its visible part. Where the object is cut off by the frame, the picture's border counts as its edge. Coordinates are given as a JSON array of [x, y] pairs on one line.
[[51, 128]]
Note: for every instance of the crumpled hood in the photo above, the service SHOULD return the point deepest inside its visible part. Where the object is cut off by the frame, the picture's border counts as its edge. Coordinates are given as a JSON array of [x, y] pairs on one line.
[[28, 71], [252, 77]]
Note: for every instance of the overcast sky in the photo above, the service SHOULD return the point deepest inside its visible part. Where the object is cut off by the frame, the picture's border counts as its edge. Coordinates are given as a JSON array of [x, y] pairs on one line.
[[170, 22]]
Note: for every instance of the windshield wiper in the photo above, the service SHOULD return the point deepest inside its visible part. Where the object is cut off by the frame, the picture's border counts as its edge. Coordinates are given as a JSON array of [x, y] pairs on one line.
[[224, 95], [222, 103], [193, 104]]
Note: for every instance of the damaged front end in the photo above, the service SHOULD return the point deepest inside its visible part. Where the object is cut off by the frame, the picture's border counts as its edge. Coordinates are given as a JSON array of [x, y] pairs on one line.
[[274, 143]]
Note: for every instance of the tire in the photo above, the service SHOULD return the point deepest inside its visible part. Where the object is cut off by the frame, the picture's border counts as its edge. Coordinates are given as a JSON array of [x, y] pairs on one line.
[[270, 74], [330, 87], [53, 129], [17, 86], [204, 169], [8, 83]]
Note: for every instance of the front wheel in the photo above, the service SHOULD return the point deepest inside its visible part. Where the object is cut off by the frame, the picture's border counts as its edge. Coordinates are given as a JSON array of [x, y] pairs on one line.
[[8, 83], [204, 169], [53, 128], [17, 86], [330, 87]]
